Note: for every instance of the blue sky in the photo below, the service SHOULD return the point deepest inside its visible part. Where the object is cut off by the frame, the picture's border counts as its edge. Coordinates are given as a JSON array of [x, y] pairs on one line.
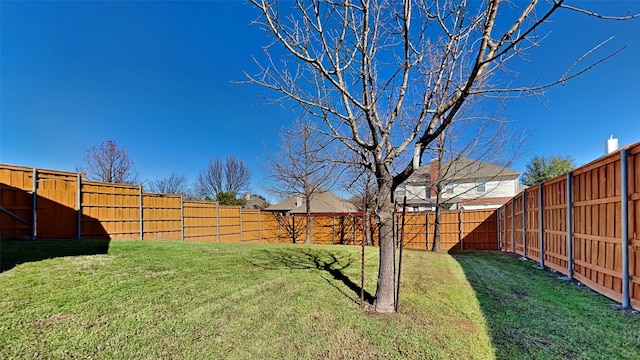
[[157, 77]]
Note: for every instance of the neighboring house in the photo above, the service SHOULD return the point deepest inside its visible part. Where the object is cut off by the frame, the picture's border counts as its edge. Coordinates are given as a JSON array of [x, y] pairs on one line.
[[254, 202], [323, 203], [466, 184]]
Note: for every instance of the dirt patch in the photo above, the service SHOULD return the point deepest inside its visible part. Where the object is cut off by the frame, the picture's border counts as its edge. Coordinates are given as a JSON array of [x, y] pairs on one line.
[[51, 321]]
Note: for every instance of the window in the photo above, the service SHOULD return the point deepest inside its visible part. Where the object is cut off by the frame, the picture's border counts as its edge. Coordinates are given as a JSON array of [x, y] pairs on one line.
[[448, 189], [481, 185]]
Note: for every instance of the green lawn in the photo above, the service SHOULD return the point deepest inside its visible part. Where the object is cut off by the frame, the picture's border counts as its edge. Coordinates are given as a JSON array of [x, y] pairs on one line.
[[151, 300]]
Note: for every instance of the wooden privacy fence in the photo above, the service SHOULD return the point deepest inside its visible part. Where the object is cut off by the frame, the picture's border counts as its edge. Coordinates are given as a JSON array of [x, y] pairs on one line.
[[459, 229], [584, 224], [48, 204]]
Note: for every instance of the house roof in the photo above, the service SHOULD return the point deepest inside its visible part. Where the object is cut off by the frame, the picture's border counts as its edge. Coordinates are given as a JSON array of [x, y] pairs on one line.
[[321, 202], [487, 201], [462, 169], [255, 202]]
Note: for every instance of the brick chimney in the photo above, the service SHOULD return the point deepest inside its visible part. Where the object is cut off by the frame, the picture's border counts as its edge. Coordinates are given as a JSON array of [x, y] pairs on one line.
[[433, 173]]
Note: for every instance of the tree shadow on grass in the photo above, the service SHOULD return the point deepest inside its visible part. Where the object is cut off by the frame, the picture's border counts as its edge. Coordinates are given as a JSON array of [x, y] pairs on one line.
[[304, 258], [16, 252], [531, 313]]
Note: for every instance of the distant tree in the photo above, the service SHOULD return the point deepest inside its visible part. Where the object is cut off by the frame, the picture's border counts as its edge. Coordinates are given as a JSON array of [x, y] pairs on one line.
[[109, 163], [230, 176], [173, 184], [302, 165], [541, 168], [361, 183], [466, 137], [227, 198]]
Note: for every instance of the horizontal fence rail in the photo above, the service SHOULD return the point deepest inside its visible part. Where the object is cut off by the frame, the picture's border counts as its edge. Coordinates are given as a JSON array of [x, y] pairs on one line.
[[584, 225]]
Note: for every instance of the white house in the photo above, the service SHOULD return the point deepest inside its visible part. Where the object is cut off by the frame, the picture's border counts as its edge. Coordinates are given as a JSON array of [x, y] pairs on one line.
[[466, 184]]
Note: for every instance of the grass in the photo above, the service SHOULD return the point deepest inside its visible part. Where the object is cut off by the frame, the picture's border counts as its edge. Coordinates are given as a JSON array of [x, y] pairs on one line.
[[151, 300]]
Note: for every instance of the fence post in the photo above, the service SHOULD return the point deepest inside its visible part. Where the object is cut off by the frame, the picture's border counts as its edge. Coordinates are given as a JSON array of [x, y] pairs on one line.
[[513, 226], [524, 224], [624, 214], [333, 230], [569, 228], [218, 221], [79, 206], [34, 205], [541, 223], [240, 213], [182, 217], [293, 228], [460, 230], [141, 215], [498, 228], [259, 227]]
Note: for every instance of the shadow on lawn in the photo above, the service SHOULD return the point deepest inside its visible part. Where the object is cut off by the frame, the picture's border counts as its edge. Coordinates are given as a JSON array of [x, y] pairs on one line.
[[333, 263], [16, 252], [530, 313]]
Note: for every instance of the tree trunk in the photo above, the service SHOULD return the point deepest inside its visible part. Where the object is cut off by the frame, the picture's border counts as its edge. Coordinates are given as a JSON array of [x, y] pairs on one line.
[[293, 229], [385, 291], [436, 229], [307, 239]]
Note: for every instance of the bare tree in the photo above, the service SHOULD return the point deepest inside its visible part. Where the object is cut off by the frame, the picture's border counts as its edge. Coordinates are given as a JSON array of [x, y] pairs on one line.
[[236, 175], [383, 75], [173, 184], [302, 165], [361, 184], [229, 177], [291, 227], [492, 142], [109, 163]]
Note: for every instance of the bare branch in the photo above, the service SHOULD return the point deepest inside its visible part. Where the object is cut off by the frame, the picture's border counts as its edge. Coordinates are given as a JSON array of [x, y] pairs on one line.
[[109, 163]]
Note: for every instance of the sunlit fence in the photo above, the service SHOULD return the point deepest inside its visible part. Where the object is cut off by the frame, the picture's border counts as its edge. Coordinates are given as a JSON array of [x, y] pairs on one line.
[[49, 204], [584, 225]]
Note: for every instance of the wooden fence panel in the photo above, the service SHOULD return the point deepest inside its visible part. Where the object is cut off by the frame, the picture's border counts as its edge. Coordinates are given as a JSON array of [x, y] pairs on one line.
[[518, 224], [271, 230], [251, 226], [323, 230], [200, 221], [596, 233], [161, 216], [415, 235], [110, 209], [348, 230], [532, 220], [57, 204], [450, 230], [508, 227], [554, 219], [229, 226], [479, 228], [16, 196]]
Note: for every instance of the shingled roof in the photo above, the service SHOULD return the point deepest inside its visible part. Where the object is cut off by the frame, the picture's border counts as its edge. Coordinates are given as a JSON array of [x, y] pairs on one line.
[[462, 169], [324, 202]]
